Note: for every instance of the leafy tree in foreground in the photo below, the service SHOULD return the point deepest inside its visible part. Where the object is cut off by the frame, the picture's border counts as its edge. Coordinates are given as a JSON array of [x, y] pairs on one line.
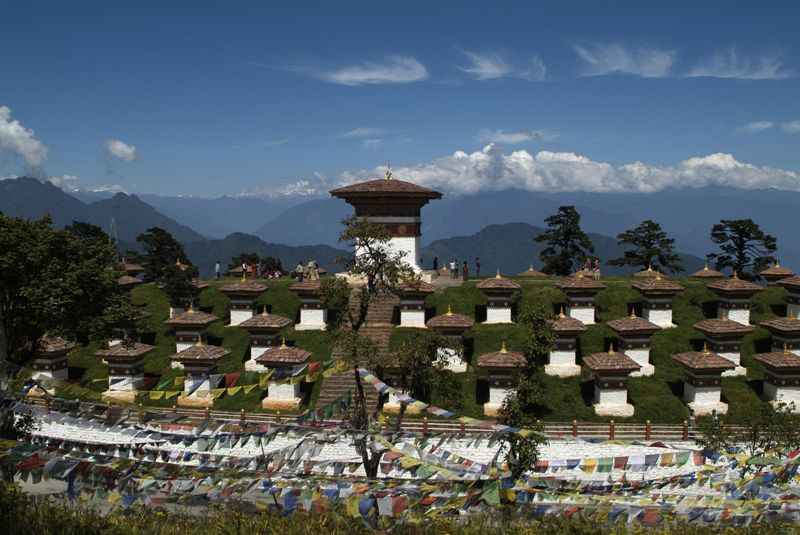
[[649, 246], [567, 244], [381, 271], [55, 282], [526, 404], [161, 250], [744, 247]]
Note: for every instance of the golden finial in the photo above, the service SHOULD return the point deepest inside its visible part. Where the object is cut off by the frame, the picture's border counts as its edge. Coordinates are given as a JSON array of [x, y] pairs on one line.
[[705, 267], [786, 348], [633, 313], [777, 263], [449, 311], [792, 315], [735, 274], [503, 348], [561, 314], [706, 350], [191, 308], [178, 262], [649, 267], [283, 342], [199, 342], [530, 267], [244, 276], [579, 275], [498, 274], [388, 175], [611, 349], [658, 275]]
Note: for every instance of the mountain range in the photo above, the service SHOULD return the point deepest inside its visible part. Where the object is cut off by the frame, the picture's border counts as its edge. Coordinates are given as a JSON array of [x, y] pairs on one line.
[[498, 226]]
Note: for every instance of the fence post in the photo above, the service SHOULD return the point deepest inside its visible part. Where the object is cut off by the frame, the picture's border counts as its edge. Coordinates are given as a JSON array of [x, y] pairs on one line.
[[425, 425], [574, 428], [611, 430], [141, 414], [648, 431], [242, 418], [685, 430], [207, 413], [47, 405], [463, 431]]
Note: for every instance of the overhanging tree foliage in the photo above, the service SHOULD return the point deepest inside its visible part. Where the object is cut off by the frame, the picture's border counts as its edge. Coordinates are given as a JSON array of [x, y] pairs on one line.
[[568, 246], [648, 246], [381, 271], [56, 282], [744, 247], [161, 250]]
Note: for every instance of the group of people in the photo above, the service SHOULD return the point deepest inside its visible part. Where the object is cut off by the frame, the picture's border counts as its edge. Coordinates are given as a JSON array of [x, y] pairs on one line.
[[455, 268], [250, 271], [591, 267], [308, 272]]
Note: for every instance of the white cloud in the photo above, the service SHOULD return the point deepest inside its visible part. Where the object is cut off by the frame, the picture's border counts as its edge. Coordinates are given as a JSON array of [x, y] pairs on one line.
[[791, 127], [612, 58], [492, 65], [121, 150], [492, 169], [361, 132], [16, 138], [755, 127], [730, 64], [394, 70], [514, 138]]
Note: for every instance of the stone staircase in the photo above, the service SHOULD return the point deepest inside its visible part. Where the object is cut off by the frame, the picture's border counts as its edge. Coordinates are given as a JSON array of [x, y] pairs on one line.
[[378, 327]]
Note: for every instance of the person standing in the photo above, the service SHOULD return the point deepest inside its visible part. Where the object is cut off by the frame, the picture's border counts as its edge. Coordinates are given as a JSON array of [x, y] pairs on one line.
[[436, 263], [478, 267], [298, 271], [465, 271], [596, 271], [217, 269]]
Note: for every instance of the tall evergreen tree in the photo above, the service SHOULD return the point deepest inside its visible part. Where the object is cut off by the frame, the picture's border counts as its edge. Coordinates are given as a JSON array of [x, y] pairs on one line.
[[568, 246], [161, 250], [744, 247], [648, 246]]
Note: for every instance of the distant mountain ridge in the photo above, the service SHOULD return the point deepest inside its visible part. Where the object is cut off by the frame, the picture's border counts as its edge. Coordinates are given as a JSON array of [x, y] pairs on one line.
[[30, 198], [511, 249]]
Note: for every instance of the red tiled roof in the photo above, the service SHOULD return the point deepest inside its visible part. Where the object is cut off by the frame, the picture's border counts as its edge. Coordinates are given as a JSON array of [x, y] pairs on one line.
[[790, 283], [450, 320], [284, 355], [699, 360], [633, 324], [734, 285], [779, 359], [53, 344], [566, 324], [611, 361], [777, 271], [719, 326], [502, 359], [125, 351], [192, 317], [243, 287], [580, 282], [385, 187], [266, 321], [708, 273], [657, 285], [782, 325], [200, 352], [498, 282]]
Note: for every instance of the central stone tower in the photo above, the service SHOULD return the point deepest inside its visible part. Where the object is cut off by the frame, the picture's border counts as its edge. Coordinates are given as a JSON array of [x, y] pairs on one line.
[[395, 204]]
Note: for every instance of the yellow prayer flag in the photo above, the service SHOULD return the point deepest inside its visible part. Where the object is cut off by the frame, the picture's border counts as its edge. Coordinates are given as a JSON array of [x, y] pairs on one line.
[[156, 394], [180, 380], [171, 394], [248, 388], [232, 391], [216, 393]]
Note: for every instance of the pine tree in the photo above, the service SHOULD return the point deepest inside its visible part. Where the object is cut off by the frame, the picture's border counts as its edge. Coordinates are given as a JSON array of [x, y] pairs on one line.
[[649, 246], [744, 247], [568, 246]]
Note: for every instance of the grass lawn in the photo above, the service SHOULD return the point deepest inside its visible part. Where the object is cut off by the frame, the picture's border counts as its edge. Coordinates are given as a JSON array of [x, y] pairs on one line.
[[656, 398]]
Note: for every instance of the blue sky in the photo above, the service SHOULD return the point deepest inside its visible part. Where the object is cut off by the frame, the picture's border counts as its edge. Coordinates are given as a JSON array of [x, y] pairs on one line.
[[208, 98]]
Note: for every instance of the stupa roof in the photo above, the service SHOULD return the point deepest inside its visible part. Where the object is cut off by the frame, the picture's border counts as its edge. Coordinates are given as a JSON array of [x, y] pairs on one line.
[[564, 324], [192, 317], [201, 353], [130, 267], [530, 272], [450, 320], [646, 273], [579, 281], [611, 361], [502, 359], [243, 287], [777, 271], [284, 355], [719, 326], [734, 285], [498, 282], [127, 280], [790, 283], [779, 360], [123, 350], [200, 285], [385, 187], [782, 325], [266, 320], [305, 287], [53, 344], [708, 273], [657, 285], [633, 324], [703, 360], [417, 287]]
